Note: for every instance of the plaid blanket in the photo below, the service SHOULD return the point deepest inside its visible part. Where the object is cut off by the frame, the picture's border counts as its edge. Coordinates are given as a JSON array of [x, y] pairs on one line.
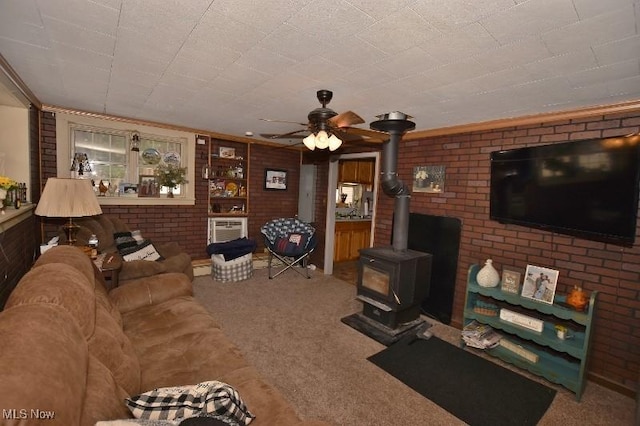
[[207, 398]]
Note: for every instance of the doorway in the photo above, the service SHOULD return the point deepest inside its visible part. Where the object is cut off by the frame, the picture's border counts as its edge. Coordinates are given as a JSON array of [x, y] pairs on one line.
[[331, 207]]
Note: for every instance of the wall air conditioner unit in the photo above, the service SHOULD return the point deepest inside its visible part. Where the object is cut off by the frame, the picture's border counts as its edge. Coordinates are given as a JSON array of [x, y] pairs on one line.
[[223, 229]]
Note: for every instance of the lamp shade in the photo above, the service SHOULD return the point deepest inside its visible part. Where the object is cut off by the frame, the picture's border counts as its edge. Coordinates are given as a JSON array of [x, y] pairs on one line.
[[64, 197]]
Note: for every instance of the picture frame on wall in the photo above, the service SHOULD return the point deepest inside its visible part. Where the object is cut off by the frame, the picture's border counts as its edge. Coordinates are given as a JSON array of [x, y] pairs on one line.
[[540, 284], [429, 179], [226, 152], [275, 179], [510, 281]]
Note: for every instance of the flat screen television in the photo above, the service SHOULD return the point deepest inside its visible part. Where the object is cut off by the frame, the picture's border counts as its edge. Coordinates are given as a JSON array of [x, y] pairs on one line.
[[588, 188]]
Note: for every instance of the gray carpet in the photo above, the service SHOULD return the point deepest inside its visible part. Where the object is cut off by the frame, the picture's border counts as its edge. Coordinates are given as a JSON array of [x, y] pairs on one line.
[[289, 328]]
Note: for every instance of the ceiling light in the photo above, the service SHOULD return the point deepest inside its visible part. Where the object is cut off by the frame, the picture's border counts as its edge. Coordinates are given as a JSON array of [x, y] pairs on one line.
[[322, 140], [310, 142], [334, 142]]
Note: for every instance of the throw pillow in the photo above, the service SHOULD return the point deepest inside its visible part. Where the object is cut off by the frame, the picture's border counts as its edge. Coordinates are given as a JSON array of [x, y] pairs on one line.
[[144, 251], [124, 240], [207, 398], [293, 244], [137, 235]]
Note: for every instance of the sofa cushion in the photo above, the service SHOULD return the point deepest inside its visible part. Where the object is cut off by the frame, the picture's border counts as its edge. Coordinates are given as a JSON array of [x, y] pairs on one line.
[[112, 348], [62, 285], [206, 398], [103, 398], [44, 362]]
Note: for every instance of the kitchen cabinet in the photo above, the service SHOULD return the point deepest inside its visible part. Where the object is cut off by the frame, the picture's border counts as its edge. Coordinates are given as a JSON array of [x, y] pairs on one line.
[[356, 171], [350, 237]]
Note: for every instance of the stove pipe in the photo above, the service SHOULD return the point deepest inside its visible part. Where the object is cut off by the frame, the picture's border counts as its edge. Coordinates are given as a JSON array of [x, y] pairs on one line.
[[396, 124]]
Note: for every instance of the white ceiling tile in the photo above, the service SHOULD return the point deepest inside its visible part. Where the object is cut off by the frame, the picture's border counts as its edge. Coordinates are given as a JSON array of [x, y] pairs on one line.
[[70, 54], [611, 72], [618, 50], [379, 9], [469, 40], [83, 13], [330, 19], [265, 17], [356, 53], [590, 8], [216, 29], [74, 35], [292, 43], [614, 25], [530, 18], [399, 31], [558, 65], [519, 52], [451, 15], [266, 61]]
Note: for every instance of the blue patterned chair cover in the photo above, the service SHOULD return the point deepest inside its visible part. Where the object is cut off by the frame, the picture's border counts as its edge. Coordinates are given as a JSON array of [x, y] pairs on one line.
[[282, 227]]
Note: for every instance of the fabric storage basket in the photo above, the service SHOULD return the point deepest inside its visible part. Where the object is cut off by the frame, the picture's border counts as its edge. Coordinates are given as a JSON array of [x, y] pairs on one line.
[[231, 270]]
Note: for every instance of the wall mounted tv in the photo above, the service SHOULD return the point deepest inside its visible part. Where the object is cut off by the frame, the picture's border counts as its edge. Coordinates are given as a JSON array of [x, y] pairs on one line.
[[587, 188]]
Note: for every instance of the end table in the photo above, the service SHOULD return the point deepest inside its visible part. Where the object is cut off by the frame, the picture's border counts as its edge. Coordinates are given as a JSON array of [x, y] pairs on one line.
[[109, 264]]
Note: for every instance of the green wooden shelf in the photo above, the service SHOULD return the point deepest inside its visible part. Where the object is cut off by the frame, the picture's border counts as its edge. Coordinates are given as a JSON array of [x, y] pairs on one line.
[[563, 362]]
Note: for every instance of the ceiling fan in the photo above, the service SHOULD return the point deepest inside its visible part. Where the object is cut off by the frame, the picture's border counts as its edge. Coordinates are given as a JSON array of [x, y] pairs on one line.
[[328, 129]]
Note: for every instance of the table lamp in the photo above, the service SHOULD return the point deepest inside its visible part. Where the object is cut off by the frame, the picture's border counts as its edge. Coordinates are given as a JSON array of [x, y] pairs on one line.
[[63, 197]]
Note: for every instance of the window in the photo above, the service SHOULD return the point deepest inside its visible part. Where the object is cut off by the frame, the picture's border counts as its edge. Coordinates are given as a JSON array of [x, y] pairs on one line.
[[110, 159]]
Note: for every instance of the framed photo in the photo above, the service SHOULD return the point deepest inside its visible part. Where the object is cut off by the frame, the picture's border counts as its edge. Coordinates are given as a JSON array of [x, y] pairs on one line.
[[275, 179], [227, 152], [128, 189], [148, 186], [428, 179], [540, 284], [510, 281]]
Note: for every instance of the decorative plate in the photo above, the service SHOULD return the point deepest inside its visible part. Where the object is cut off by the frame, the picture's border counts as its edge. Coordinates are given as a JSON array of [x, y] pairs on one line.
[[232, 189], [151, 156], [171, 157]]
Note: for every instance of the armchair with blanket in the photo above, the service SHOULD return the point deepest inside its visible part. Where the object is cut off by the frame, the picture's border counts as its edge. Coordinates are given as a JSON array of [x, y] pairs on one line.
[[174, 258]]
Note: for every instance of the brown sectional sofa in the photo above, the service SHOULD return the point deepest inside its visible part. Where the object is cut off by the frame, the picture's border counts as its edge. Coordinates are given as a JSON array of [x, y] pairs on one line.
[[104, 226], [72, 349]]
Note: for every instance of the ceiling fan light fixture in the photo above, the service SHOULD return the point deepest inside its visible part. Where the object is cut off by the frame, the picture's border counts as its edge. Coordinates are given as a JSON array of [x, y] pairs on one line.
[[334, 142], [322, 140], [310, 142]]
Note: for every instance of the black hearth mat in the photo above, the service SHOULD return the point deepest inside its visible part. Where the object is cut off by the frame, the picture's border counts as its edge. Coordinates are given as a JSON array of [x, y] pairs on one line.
[[380, 332], [476, 390]]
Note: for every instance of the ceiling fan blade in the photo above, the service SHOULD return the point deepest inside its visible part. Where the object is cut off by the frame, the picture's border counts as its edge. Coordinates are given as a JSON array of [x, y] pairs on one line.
[[283, 121], [370, 135], [347, 118], [290, 135]]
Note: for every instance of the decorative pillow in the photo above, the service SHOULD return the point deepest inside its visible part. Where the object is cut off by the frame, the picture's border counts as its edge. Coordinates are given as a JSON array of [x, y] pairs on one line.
[[124, 240], [137, 235], [144, 251], [207, 398], [293, 244]]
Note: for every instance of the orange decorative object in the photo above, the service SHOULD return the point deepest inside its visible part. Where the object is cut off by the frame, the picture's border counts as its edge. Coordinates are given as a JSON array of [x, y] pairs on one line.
[[577, 298]]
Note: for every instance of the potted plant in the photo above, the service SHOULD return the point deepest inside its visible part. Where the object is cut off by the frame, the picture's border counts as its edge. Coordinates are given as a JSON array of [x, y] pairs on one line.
[[6, 184], [171, 176]]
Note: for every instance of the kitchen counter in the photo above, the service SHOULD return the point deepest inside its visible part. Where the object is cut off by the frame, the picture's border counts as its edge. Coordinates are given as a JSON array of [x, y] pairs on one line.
[[354, 219]]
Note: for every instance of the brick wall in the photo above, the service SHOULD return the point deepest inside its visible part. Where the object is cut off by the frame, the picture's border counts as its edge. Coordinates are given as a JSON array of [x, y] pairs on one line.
[[612, 270], [187, 225]]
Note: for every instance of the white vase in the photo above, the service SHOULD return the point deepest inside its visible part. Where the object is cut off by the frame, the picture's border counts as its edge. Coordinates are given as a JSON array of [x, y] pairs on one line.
[[488, 276]]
